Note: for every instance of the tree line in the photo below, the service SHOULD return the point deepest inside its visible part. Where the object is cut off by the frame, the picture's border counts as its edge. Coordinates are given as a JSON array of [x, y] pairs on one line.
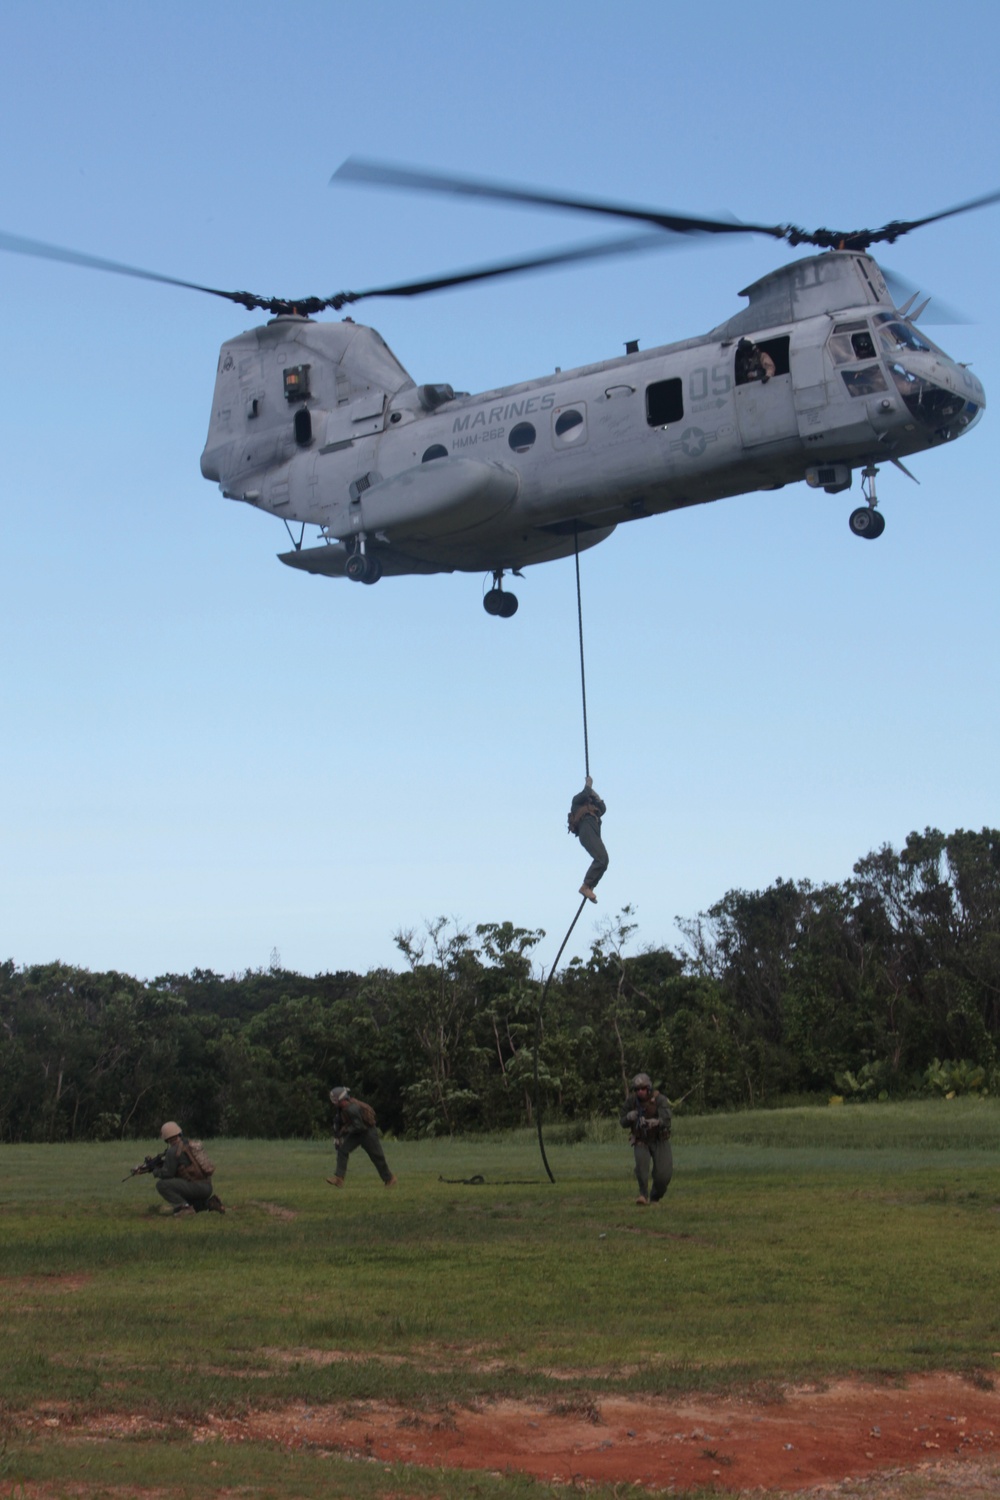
[[883, 985]]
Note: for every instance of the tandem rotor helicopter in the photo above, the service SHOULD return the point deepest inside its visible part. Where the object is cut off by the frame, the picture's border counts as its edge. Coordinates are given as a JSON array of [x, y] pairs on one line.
[[319, 423]]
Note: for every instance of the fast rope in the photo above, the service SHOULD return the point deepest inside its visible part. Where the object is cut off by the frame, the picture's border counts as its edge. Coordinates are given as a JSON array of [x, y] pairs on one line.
[[583, 672], [538, 1037], [569, 930]]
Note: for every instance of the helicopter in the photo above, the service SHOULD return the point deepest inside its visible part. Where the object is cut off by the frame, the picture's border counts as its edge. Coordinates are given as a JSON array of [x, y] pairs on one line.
[[318, 423]]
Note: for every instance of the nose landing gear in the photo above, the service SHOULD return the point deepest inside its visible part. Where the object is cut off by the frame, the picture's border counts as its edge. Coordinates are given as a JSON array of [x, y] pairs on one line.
[[866, 521], [496, 602]]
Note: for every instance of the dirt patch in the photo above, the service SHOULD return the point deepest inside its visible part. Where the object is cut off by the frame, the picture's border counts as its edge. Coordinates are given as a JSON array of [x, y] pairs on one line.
[[20, 1293], [847, 1431], [46, 1282], [286, 1215], [936, 1438]]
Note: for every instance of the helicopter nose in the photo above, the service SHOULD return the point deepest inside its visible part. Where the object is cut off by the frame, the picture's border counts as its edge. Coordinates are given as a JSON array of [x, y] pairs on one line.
[[975, 404]]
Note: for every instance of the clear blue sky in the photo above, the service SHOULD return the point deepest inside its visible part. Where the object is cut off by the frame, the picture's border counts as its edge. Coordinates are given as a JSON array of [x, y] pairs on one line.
[[205, 755]]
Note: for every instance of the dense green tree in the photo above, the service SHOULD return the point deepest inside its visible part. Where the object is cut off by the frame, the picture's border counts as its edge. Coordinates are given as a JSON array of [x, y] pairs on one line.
[[882, 984]]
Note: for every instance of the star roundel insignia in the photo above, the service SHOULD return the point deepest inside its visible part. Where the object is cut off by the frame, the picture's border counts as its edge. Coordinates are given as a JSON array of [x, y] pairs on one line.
[[693, 442]]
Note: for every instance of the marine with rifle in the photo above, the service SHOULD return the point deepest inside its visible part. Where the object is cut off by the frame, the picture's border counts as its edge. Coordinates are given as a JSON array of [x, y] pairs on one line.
[[183, 1172]]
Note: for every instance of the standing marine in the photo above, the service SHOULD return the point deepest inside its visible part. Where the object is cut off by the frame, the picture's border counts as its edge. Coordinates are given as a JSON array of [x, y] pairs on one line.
[[585, 814], [646, 1115], [184, 1174], [354, 1126]]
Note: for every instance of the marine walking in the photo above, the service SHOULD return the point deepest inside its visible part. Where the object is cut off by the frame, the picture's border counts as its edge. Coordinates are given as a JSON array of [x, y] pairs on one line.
[[354, 1125], [646, 1115]]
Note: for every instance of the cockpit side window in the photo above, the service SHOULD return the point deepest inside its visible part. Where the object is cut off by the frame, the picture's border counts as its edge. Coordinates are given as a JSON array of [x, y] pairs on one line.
[[866, 381], [850, 342]]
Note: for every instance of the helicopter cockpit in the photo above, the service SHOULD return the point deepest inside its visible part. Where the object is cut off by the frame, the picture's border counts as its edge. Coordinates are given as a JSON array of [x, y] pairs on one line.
[[939, 394]]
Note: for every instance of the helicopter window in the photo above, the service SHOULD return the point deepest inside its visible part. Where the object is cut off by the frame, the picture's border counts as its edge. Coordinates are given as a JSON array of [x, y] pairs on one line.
[[866, 381], [303, 427], [569, 426], [761, 361], [521, 437], [896, 336], [664, 402], [296, 382], [851, 341], [436, 450]]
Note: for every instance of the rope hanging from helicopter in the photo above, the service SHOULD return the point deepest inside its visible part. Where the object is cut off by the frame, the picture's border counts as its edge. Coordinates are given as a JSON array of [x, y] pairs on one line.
[[583, 671], [576, 918]]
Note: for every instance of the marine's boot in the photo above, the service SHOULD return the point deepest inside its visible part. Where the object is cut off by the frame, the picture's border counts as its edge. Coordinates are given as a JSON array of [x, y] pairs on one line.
[[335, 1181], [214, 1204], [183, 1209], [641, 1201], [586, 891], [392, 1181]]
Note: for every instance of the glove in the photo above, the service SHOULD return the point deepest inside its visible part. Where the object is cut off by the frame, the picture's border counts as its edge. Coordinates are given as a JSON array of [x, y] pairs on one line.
[[632, 1116]]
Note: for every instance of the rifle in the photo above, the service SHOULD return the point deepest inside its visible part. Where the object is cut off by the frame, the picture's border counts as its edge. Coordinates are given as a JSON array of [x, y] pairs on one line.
[[148, 1164]]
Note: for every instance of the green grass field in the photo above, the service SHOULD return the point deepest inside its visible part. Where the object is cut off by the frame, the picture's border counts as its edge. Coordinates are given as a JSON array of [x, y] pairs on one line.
[[800, 1243]]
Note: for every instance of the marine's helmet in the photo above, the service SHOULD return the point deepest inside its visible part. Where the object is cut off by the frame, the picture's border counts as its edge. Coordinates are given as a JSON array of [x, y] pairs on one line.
[[642, 1081], [169, 1130], [339, 1094]]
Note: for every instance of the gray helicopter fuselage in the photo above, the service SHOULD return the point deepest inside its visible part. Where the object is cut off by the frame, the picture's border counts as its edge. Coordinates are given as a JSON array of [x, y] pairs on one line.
[[820, 374]]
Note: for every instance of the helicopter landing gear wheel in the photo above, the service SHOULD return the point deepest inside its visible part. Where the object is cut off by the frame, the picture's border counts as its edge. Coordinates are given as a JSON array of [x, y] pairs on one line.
[[360, 568], [866, 520], [496, 602]]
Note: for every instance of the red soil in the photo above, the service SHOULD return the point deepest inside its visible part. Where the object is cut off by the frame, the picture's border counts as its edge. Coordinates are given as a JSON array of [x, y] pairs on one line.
[[809, 1436]]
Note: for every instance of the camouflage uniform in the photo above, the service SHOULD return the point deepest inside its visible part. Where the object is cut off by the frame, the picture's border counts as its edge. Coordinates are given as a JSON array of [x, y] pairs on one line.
[[650, 1142], [350, 1132], [181, 1191], [585, 814]]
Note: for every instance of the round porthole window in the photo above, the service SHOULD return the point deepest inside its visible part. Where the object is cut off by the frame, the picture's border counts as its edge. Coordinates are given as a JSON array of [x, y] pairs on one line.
[[521, 437], [436, 450], [569, 426]]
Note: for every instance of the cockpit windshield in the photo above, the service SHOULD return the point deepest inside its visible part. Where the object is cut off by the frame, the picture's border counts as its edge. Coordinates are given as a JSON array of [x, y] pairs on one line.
[[895, 336]]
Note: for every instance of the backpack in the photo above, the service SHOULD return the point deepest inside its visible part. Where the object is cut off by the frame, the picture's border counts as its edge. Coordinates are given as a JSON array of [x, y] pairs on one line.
[[199, 1166], [367, 1113]]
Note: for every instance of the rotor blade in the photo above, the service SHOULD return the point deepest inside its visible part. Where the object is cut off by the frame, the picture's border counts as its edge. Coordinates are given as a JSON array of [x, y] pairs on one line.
[[627, 246], [359, 170], [37, 248], [892, 231], [381, 174], [17, 245]]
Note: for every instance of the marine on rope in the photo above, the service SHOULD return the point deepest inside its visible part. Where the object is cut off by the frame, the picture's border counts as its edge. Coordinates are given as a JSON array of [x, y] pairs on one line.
[[591, 810], [585, 814], [587, 808]]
